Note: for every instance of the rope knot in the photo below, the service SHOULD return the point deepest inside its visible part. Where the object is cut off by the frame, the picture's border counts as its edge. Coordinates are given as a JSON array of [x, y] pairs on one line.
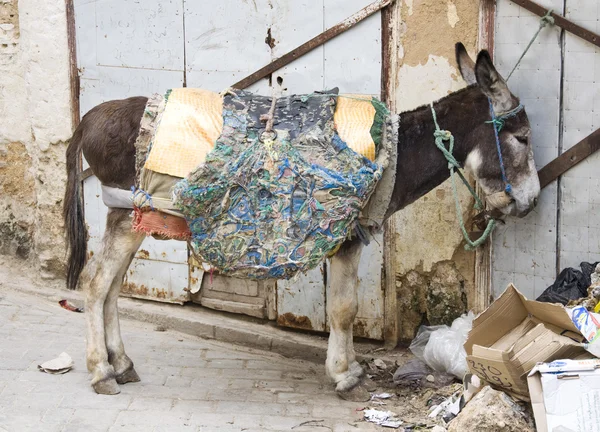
[[443, 134], [497, 122], [547, 19]]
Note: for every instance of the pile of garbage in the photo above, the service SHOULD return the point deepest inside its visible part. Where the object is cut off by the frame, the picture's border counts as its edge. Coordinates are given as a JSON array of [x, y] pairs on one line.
[[518, 361]]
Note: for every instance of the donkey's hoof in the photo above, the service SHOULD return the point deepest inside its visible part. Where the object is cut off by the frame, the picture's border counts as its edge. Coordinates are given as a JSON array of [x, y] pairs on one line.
[[357, 393], [107, 386], [130, 375], [348, 383]]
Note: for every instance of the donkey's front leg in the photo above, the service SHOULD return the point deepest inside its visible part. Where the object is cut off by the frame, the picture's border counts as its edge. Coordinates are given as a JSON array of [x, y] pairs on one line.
[[342, 306], [98, 278]]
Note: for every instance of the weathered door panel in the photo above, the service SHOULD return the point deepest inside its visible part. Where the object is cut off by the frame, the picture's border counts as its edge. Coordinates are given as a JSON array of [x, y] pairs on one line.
[[159, 271], [128, 48], [295, 23], [225, 41], [557, 82], [301, 301], [157, 280], [579, 215], [353, 59], [524, 250], [243, 296], [369, 320], [352, 62]]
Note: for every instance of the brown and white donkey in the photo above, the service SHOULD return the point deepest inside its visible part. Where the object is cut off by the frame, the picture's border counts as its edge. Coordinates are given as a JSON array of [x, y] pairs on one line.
[[106, 136]]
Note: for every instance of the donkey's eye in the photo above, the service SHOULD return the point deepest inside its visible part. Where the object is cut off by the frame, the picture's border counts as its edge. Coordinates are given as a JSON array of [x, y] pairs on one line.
[[521, 139]]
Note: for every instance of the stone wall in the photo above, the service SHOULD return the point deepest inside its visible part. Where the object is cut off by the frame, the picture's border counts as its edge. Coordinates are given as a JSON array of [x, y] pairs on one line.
[[433, 271], [35, 124]]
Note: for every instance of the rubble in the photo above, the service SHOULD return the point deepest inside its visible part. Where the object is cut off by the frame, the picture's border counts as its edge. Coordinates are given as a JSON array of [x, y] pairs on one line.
[[493, 411]]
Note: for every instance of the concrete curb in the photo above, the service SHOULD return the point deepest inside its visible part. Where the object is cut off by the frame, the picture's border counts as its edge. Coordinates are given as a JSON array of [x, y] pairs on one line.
[[198, 321], [202, 322]]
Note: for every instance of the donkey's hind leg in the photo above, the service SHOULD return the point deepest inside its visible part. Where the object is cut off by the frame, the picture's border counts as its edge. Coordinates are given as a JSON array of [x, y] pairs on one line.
[[118, 246], [121, 363], [342, 306]]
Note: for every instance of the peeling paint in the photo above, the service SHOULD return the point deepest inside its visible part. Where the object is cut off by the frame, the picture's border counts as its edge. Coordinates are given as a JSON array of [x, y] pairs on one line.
[[429, 31], [453, 18], [435, 80], [143, 253], [433, 297], [427, 231], [34, 64], [288, 319], [409, 5], [270, 40], [142, 291]]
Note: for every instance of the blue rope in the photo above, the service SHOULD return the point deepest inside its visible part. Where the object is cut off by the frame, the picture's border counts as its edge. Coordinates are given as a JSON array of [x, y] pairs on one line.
[[498, 123], [147, 197]]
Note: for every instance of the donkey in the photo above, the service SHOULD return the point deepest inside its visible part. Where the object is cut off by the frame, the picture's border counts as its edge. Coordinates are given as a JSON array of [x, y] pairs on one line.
[[106, 136]]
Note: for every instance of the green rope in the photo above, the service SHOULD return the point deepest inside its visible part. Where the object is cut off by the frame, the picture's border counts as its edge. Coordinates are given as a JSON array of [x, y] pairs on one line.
[[454, 167], [544, 21]]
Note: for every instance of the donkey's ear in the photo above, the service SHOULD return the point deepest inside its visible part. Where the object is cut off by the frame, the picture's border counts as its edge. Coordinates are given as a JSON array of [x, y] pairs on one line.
[[491, 83], [465, 64]]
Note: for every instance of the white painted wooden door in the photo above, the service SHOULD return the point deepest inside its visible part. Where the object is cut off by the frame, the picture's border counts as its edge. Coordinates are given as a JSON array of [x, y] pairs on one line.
[[128, 47], [131, 48], [352, 62], [559, 84]]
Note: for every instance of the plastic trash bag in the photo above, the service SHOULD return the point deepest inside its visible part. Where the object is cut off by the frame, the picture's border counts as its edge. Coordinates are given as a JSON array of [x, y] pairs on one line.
[[416, 372], [571, 284], [441, 347]]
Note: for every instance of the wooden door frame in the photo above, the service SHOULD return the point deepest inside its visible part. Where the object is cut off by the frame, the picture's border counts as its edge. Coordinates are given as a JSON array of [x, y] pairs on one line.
[[73, 70], [482, 287], [390, 20]]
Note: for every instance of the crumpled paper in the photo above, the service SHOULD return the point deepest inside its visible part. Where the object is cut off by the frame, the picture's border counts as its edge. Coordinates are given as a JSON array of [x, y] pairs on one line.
[[382, 418], [60, 365]]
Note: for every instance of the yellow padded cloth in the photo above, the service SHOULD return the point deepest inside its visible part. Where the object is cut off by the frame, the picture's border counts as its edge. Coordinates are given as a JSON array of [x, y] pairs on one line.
[[353, 119], [190, 124], [193, 120]]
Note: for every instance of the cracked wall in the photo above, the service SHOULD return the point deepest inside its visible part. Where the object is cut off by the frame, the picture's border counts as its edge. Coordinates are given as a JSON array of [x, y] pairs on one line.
[[35, 124], [434, 274]]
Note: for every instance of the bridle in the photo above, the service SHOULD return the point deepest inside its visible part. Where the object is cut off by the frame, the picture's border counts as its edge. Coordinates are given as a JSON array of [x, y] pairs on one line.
[[498, 122], [440, 136]]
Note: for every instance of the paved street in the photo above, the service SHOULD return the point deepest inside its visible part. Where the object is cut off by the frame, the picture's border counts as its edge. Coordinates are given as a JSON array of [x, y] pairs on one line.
[[188, 384]]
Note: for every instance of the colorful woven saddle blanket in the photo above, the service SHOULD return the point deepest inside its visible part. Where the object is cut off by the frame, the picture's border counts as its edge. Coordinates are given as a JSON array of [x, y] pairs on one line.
[[258, 204]]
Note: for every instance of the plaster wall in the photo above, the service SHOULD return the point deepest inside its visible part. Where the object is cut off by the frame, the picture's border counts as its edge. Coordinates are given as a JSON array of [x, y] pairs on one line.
[[35, 124], [434, 274]]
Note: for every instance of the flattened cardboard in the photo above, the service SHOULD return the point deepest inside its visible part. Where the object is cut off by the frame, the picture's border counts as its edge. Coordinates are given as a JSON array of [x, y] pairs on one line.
[[566, 401], [514, 334]]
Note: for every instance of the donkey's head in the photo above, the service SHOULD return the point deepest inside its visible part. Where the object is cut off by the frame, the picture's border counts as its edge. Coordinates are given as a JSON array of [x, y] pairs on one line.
[[485, 162]]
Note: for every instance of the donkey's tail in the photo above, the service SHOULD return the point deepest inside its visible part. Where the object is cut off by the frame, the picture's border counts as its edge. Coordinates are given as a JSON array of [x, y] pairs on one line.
[[76, 230]]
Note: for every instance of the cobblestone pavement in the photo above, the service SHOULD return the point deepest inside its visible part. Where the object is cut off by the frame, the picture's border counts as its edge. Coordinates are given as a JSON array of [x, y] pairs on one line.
[[188, 384]]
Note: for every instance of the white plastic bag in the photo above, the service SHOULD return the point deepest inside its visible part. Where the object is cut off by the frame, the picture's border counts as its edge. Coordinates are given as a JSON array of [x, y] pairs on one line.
[[441, 347]]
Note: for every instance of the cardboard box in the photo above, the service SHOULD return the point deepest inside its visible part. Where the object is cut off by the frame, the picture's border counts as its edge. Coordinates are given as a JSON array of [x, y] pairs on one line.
[[565, 396], [514, 334]]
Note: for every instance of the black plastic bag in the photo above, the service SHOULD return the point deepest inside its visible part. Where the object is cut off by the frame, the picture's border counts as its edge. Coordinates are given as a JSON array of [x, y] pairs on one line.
[[571, 284]]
